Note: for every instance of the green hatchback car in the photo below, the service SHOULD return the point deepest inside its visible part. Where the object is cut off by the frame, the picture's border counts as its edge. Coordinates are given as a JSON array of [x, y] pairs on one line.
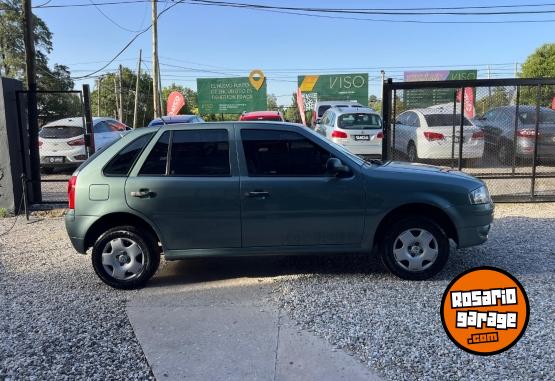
[[263, 188]]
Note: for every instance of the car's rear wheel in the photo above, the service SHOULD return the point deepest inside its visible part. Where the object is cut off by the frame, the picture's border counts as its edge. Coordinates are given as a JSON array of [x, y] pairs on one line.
[[412, 153], [415, 248], [505, 153], [125, 257]]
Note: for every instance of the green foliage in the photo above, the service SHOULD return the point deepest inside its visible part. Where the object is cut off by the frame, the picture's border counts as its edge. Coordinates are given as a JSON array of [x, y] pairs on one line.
[[375, 103], [292, 112], [272, 102], [540, 64], [4, 213], [191, 99], [498, 97], [107, 89]]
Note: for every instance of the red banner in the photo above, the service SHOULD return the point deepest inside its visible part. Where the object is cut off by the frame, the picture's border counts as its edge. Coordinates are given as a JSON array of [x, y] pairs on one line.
[[176, 101], [553, 103], [469, 111], [300, 105]]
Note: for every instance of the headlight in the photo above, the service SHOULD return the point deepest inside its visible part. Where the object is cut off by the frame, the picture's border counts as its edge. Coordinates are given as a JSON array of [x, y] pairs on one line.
[[480, 196]]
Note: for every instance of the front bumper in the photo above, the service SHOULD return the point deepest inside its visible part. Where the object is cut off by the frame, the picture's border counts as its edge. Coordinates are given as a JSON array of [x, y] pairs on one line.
[[473, 223]]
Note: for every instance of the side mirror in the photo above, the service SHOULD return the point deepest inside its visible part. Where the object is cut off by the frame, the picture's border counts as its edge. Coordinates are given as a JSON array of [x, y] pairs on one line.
[[318, 120], [335, 167]]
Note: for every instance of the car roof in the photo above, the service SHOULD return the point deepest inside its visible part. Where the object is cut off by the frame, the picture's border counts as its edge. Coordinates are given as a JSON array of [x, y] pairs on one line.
[[76, 121], [261, 113], [351, 110], [335, 103]]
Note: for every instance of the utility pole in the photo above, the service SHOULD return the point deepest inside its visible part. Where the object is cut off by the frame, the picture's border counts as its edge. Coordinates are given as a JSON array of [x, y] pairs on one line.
[[136, 108], [155, 67], [383, 80], [31, 72], [489, 87], [116, 97], [120, 93], [516, 69], [160, 90], [99, 94]]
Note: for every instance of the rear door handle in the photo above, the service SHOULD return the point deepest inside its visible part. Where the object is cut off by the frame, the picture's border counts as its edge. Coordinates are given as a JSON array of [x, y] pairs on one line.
[[258, 194], [142, 193]]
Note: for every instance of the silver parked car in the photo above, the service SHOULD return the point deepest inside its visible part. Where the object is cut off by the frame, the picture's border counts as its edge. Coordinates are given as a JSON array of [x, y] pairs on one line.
[[358, 129]]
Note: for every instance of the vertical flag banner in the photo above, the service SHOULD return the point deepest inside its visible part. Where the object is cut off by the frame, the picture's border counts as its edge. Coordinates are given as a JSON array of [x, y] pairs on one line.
[[300, 105], [176, 101]]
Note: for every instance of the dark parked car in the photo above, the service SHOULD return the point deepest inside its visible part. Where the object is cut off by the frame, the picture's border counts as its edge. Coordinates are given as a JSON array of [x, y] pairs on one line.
[[247, 188], [504, 140]]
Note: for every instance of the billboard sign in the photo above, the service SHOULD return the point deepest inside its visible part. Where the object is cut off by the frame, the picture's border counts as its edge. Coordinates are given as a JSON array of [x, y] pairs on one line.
[[333, 87], [420, 98], [231, 95]]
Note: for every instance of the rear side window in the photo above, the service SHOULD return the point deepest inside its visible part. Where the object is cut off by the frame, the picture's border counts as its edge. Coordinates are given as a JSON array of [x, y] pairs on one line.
[[200, 153], [322, 110], [359, 121], [282, 153], [155, 163], [60, 132], [121, 164]]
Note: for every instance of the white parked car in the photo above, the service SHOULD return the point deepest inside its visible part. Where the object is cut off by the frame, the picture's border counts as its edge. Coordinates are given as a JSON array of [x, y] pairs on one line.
[[62, 142], [322, 106], [358, 129], [428, 134]]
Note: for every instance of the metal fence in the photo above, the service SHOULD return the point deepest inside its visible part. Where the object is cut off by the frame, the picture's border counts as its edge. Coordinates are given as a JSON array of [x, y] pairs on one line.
[[502, 131], [61, 142]]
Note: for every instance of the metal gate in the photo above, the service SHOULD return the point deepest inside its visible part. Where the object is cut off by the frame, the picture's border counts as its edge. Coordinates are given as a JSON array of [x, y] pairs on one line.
[[57, 155], [501, 131]]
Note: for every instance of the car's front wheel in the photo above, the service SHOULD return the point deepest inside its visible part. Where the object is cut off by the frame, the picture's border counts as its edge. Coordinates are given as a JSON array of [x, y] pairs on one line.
[[125, 257], [412, 153], [415, 248]]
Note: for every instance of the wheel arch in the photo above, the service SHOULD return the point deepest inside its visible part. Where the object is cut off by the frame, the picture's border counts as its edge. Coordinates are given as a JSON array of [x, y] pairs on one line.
[[117, 219], [419, 209]]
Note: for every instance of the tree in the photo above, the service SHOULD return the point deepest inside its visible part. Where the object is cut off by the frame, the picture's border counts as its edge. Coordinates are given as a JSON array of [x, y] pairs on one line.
[[12, 63], [191, 99], [499, 97], [540, 64], [375, 103], [107, 88], [272, 102], [292, 112]]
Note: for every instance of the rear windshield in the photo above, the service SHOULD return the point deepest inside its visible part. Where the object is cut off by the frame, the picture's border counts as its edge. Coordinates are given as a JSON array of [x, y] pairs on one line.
[[442, 120], [60, 132], [359, 121], [529, 117]]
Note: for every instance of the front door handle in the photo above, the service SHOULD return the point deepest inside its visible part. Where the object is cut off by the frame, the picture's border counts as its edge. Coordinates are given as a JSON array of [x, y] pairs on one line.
[[142, 193], [258, 194]]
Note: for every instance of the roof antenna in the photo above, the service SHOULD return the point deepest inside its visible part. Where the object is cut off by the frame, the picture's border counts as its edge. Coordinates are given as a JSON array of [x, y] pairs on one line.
[[163, 121]]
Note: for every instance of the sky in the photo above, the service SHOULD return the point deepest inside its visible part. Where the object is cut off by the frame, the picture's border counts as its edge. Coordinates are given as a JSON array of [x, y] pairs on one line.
[[223, 41]]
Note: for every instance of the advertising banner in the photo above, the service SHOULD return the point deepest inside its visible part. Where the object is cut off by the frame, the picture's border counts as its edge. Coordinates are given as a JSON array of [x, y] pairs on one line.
[[333, 87], [231, 95]]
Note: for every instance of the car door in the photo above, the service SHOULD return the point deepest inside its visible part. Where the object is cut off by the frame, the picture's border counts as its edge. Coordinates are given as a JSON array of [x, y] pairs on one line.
[[288, 198], [487, 124], [187, 183]]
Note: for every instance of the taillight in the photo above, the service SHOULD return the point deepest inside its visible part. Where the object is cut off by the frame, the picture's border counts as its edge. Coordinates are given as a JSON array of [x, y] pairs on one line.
[[526, 133], [379, 135], [71, 184], [478, 135], [432, 136], [339, 134], [77, 142]]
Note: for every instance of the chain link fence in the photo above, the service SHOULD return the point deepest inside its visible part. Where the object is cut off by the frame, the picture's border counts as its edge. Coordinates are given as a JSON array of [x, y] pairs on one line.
[[502, 131]]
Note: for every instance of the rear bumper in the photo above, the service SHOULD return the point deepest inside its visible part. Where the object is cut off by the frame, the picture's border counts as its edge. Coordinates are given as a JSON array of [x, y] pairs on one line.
[[77, 227], [445, 151]]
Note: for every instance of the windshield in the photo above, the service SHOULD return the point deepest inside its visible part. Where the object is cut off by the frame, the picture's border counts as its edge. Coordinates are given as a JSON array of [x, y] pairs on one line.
[[359, 121], [442, 120], [529, 117]]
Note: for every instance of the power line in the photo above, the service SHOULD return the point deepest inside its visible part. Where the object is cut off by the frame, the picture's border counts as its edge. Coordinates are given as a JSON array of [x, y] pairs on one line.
[[112, 20]]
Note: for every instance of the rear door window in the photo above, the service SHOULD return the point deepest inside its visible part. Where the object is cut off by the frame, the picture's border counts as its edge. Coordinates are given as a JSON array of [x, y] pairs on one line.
[[322, 110], [200, 153], [60, 132], [442, 120], [156, 161], [121, 164]]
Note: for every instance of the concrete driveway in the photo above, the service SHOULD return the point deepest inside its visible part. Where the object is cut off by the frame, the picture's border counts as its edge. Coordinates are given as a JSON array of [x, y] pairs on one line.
[[216, 319]]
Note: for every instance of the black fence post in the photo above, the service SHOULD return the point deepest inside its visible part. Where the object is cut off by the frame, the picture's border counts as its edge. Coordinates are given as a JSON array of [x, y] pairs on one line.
[[536, 131], [517, 105], [461, 136], [454, 126], [89, 135], [386, 112]]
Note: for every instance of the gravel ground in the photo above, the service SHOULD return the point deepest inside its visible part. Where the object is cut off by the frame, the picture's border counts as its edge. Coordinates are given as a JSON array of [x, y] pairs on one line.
[[57, 320], [394, 326]]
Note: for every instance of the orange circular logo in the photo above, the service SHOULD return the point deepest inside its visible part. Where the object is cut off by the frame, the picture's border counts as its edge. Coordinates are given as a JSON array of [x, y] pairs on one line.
[[485, 310]]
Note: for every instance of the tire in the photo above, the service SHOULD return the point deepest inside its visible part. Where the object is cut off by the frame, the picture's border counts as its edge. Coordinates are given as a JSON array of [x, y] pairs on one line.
[[471, 163], [47, 170], [504, 153], [119, 263], [408, 251], [412, 154]]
